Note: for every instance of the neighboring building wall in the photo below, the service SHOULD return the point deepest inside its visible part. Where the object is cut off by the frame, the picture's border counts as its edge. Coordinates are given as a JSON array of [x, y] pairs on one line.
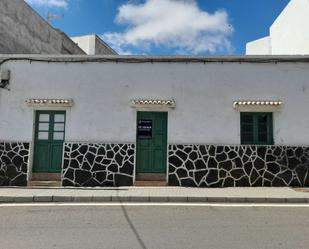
[[93, 45], [204, 116], [288, 34], [23, 31], [259, 47]]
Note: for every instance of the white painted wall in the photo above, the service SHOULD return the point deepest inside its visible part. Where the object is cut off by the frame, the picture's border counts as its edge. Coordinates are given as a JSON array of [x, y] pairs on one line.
[[204, 95], [93, 45], [86, 43], [288, 34], [259, 47]]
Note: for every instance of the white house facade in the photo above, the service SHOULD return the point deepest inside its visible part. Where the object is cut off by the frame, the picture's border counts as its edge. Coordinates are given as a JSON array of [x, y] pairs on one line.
[[288, 35], [194, 121]]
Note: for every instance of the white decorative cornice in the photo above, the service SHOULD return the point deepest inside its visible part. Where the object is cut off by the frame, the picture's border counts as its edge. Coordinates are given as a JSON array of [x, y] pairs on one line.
[[50, 102], [257, 105], [153, 103]]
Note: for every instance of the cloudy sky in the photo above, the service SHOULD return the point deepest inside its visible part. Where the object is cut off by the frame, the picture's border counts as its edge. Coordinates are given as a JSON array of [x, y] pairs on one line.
[[160, 27]]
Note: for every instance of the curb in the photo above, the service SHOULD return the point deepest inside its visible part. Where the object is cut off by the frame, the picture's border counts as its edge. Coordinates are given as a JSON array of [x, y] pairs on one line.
[[150, 199]]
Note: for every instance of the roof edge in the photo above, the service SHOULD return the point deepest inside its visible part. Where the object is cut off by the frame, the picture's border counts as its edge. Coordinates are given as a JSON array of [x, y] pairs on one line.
[[157, 59]]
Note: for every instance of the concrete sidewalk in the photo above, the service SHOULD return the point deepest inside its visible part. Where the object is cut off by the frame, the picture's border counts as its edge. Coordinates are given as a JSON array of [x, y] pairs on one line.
[[155, 194]]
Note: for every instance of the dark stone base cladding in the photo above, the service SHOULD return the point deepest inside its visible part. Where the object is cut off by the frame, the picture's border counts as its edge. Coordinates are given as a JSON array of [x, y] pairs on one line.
[[237, 166], [14, 157], [94, 164]]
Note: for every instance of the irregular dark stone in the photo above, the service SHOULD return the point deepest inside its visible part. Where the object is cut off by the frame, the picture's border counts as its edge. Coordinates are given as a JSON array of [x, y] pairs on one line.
[[238, 163], [198, 175], [237, 173], [83, 149], [182, 155], [90, 158], [270, 158], [212, 176], [212, 150], [68, 183], [212, 163], [286, 176], [222, 173], [127, 168], [277, 152], [119, 159], [227, 165], [181, 173], [228, 182], [261, 151], [174, 160], [219, 149], [69, 173], [18, 161], [268, 176], [273, 168], [200, 164], [187, 182], [259, 164], [278, 182], [232, 154], [173, 180], [301, 172], [98, 167], [189, 165], [12, 171], [86, 166], [242, 182], [106, 162], [74, 164], [110, 154], [193, 155], [113, 168], [221, 157], [91, 183], [101, 151], [82, 176], [258, 182], [293, 162], [248, 167], [100, 176], [123, 180]]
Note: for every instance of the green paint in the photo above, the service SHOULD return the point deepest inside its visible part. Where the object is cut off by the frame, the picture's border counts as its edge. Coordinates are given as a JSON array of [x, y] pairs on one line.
[[49, 138], [151, 152], [256, 128]]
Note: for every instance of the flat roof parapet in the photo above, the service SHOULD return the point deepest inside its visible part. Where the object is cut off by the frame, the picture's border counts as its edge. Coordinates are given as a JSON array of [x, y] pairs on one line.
[[155, 59]]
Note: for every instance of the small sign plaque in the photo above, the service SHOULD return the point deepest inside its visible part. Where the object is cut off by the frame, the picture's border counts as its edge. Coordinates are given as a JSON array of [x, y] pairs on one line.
[[144, 129]]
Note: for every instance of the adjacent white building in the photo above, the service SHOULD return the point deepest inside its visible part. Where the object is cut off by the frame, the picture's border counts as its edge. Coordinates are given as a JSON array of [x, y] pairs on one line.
[[93, 45], [288, 35]]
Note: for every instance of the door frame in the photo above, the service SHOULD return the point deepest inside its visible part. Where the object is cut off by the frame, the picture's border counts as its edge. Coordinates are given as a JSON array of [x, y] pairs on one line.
[[34, 131], [165, 110]]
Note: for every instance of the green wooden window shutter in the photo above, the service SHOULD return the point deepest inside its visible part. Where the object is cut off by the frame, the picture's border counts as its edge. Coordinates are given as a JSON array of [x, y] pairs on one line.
[[256, 128]]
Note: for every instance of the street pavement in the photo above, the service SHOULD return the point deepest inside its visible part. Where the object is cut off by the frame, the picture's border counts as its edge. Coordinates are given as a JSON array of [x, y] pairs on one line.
[[169, 226], [154, 194]]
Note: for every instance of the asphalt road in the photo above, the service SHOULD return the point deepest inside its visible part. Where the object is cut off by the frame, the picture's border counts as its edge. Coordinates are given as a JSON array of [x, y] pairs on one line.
[[99, 227]]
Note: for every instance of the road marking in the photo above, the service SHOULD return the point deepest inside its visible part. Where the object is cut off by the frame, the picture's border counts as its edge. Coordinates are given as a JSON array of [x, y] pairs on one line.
[[152, 204]]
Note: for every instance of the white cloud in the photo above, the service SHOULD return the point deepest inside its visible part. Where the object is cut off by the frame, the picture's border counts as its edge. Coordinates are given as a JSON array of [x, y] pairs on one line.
[[173, 24], [50, 3]]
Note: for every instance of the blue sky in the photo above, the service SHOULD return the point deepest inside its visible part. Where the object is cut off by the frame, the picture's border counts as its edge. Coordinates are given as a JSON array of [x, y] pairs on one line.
[[161, 27]]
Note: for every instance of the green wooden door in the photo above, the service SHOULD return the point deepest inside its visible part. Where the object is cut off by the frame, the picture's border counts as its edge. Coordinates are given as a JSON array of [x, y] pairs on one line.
[[49, 137], [151, 142]]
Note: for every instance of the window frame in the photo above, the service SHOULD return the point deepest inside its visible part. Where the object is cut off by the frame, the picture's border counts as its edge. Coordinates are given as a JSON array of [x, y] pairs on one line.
[[255, 128]]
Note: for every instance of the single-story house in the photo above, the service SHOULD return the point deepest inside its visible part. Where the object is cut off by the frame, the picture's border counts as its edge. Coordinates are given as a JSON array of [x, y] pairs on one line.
[[188, 121]]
